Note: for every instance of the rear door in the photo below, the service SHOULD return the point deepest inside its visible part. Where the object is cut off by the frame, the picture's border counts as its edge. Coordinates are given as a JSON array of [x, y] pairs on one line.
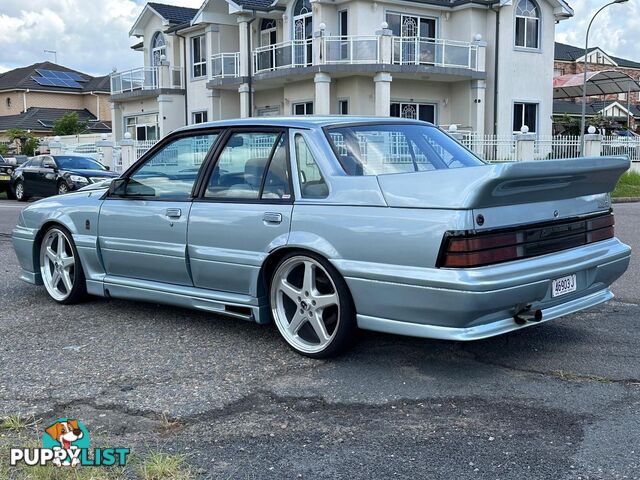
[[243, 210], [143, 226], [30, 175]]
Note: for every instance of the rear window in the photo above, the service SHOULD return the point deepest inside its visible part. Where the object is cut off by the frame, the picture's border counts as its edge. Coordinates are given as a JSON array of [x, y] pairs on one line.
[[396, 148]]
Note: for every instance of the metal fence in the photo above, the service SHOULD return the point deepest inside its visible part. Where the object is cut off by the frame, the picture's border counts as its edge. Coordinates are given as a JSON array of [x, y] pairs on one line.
[[492, 148], [548, 147], [616, 145], [143, 145]]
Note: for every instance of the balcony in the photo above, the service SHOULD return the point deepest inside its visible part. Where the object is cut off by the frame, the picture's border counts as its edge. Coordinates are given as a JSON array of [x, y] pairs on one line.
[[350, 50], [147, 78], [289, 54], [434, 51], [225, 65]]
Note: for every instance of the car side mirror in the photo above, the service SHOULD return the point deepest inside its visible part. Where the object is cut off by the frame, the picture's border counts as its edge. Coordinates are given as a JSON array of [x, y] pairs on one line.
[[118, 186], [107, 167], [48, 164]]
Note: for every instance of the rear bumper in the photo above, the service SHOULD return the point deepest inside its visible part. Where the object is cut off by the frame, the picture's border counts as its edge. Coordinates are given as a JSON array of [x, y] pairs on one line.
[[477, 303]]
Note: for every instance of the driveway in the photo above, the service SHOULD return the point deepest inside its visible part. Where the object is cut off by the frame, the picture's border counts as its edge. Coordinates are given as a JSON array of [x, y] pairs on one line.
[[558, 401]]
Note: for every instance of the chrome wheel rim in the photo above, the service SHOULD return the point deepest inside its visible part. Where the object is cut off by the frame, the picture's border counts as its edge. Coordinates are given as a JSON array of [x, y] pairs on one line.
[[305, 304], [19, 191], [62, 189], [57, 264]]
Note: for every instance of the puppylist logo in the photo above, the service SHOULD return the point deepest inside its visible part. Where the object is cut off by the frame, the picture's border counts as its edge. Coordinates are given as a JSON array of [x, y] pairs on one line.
[[65, 443]]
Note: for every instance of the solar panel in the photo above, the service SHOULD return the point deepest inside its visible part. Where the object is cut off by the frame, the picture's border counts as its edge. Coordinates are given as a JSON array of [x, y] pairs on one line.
[[56, 82], [61, 75]]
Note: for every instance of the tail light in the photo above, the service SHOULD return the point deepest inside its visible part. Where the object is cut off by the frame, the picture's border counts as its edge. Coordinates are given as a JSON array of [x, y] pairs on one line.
[[467, 250]]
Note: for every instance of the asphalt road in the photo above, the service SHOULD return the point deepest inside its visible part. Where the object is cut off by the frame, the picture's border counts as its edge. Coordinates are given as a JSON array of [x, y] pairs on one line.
[[558, 401]]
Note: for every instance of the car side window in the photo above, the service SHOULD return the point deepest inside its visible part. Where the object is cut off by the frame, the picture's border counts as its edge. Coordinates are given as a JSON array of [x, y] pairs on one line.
[[172, 171], [312, 183], [252, 166], [35, 162]]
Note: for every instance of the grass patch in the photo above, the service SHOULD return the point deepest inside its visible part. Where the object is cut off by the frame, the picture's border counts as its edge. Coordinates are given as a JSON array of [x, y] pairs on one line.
[[161, 466], [628, 186], [16, 423]]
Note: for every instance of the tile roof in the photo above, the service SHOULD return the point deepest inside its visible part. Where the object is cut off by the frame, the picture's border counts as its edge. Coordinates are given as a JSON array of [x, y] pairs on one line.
[[569, 53], [32, 118], [20, 78], [561, 107], [173, 13]]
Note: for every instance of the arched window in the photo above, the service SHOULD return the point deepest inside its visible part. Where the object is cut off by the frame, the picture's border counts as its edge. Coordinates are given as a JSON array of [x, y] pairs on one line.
[[527, 24], [303, 32], [158, 48], [302, 7]]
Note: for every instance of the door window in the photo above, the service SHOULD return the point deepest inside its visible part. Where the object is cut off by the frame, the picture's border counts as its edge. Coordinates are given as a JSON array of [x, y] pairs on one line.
[[312, 184], [171, 172], [240, 170]]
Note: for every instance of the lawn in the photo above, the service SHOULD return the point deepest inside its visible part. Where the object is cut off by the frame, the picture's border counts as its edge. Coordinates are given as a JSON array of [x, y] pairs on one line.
[[628, 186]]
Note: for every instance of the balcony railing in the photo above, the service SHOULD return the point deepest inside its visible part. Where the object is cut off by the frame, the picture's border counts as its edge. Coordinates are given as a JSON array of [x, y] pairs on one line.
[[351, 49], [224, 65], [146, 78], [434, 51], [289, 54]]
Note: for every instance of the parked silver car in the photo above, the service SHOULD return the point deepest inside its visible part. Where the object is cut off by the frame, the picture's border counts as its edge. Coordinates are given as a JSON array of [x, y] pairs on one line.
[[328, 224]]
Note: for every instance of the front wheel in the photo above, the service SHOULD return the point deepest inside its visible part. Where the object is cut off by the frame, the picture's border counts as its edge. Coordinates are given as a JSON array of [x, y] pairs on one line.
[[20, 192], [60, 267], [63, 188], [311, 306]]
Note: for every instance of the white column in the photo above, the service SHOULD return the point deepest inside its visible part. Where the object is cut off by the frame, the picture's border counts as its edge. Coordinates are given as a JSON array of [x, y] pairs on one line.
[[525, 143], [477, 107], [592, 145], [127, 151], [481, 59], [322, 104], [382, 82], [117, 124], [244, 42], [105, 150], [243, 90], [385, 45], [55, 146]]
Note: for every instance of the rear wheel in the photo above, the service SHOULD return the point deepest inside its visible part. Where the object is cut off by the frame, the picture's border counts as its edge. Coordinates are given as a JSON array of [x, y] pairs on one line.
[[311, 306], [60, 267], [21, 194]]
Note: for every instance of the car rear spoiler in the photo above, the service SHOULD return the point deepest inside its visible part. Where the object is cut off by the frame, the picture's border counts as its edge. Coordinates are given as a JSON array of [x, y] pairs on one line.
[[503, 184]]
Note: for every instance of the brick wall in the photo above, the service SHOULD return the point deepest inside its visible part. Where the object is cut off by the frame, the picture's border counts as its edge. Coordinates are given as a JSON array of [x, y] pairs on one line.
[[571, 68], [10, 103]]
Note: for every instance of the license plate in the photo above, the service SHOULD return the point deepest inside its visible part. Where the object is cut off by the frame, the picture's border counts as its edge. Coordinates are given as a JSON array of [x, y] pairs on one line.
[[5, 177], [564, 285]]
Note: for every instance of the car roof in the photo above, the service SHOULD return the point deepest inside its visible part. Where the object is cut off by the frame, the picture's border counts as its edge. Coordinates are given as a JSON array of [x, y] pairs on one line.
[[309, 121]]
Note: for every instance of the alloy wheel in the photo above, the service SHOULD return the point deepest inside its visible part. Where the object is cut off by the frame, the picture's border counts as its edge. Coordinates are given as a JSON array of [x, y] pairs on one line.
[[305, 304], [63, 188], [57, 264], [19, 191]]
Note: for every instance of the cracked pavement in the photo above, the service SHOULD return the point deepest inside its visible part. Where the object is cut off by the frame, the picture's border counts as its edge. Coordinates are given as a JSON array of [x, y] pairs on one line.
[[559, 401]]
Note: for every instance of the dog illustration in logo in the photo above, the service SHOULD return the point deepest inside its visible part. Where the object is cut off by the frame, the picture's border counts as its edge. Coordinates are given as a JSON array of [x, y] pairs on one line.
[[66, 433]]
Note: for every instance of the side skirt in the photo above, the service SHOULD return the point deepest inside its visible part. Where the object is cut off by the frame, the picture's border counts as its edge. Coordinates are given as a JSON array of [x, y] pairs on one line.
[[234, 305]]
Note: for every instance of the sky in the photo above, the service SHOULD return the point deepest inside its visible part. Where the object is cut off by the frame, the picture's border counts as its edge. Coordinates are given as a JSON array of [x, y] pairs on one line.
[[92, 35]]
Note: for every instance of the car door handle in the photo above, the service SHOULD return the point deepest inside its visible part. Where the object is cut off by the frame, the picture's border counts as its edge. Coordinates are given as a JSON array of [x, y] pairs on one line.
[[173, 212], [272, 217]]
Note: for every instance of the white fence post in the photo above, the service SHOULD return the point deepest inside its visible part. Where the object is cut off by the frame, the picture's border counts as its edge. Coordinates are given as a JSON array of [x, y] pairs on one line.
[[105, 151], [525, 144], [127, 151], [592, 145], [56, 146]]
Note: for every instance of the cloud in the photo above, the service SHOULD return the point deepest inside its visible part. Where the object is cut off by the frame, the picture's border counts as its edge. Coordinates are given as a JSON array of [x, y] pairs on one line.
[[613, 29], [88, 35]]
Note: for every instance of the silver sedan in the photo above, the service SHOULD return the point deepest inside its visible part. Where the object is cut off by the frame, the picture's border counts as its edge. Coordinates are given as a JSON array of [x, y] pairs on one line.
[[326, 224]]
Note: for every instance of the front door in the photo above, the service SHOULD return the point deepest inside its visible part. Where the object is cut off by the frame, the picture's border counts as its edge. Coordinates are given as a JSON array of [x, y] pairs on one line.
[[143, 227], [303, 34], [242, 213]]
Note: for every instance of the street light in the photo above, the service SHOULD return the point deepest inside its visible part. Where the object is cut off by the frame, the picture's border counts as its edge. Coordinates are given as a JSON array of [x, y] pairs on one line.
[[584, 84]]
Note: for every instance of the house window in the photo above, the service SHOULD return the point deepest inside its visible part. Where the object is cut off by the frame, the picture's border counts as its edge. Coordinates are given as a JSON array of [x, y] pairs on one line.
[[304, 108], [199, 117], [303, 31], [142, 127], [525, 114], [558, 72], [417, 111], [268, 32], [158, 48], [343, 107], [343, 23], [198, 57], [527, 24], [411, 25]]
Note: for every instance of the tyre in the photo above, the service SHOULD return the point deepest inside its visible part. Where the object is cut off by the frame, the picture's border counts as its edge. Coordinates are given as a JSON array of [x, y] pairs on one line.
[[311, 305], [20, 192], [63, 188], [60, 267]]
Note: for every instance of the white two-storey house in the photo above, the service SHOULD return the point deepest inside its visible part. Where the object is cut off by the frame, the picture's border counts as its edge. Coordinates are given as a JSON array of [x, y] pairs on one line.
[[484, 65]]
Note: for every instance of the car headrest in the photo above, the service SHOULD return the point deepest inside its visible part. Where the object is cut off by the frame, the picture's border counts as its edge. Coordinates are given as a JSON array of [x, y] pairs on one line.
[[253, 170]]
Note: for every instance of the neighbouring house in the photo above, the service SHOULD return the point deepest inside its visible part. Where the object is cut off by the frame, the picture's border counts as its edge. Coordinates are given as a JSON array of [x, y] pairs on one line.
[[484, 65], [33, 97], [620, 109]]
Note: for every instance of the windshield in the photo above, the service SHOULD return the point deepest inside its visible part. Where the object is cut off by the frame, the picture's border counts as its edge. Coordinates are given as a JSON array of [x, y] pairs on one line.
[[78, 163], [396, 148]]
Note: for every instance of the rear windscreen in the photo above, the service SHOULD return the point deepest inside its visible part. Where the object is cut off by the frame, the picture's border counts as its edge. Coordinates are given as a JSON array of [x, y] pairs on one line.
[[377, 149]]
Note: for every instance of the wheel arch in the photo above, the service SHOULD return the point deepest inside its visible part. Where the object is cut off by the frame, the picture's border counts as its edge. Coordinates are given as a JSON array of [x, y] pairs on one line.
[[37, 240]]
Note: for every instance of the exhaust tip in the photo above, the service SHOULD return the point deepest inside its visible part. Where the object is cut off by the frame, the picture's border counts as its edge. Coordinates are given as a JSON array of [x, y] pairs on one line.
[[537, 316], [527, 315]]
